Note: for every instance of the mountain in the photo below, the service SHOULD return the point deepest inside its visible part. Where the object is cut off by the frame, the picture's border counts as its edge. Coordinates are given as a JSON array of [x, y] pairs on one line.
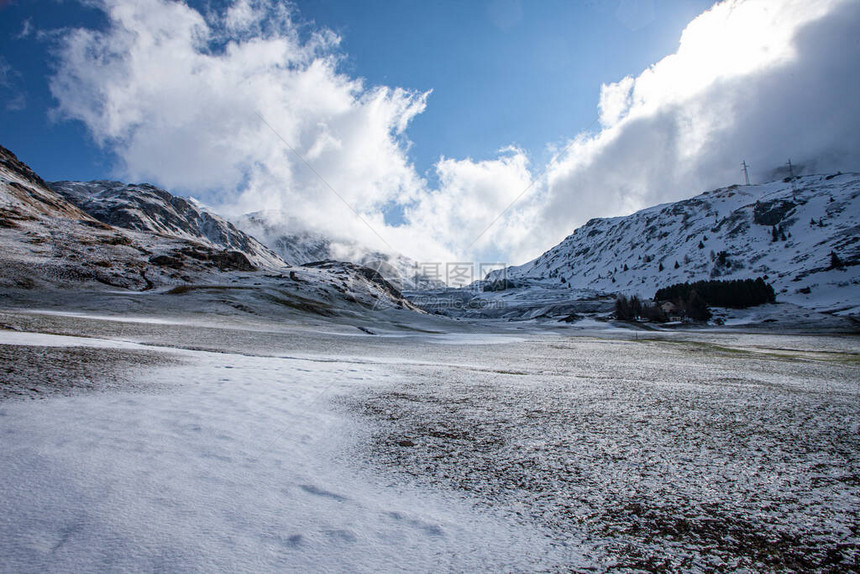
[[27, 197], [277, 231], [110, 237], [785, 231], [48, 241], [296, 248], [144, 207]]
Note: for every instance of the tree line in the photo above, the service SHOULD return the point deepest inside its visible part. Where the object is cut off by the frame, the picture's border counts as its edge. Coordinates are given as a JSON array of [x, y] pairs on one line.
[[736, 294], [692, 300]]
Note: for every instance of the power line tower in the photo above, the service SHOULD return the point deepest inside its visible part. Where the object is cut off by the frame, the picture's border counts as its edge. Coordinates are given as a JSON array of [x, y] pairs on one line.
[[746, 171], [790, 169]]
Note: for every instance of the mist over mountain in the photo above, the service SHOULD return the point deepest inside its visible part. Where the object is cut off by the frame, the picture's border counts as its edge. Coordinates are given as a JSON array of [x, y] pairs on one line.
[[286, 236]]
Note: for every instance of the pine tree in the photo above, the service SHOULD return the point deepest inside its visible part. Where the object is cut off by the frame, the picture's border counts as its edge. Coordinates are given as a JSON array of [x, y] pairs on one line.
[[737, 294], [697, 309], [676, 265], [623, 310], [635, 307], [835, 261]]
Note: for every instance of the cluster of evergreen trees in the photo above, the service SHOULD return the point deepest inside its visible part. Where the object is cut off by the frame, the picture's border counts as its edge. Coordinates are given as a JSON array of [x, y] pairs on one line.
[[736, 294], [633, 309], [691, 300], [777, 233], [692, 307]]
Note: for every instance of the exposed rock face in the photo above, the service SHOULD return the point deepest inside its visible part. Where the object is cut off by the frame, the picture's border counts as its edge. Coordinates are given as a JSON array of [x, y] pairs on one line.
[[232, 261], [371, 275]]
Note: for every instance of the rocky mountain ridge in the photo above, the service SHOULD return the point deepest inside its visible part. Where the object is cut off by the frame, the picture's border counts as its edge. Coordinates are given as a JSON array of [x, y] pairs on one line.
[[145, 207]]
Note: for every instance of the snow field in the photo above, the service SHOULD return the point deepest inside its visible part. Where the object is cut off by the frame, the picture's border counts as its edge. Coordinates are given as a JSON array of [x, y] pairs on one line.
[[727, 453], [239, 467]]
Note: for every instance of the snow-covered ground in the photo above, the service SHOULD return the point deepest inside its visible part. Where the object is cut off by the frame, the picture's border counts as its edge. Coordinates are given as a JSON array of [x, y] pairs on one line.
[[237, 463], [241, 444]]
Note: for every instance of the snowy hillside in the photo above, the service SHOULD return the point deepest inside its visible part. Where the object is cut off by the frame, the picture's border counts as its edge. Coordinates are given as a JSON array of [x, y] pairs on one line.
[[144, 207], [48, 241], [26, 196], [784, 231]]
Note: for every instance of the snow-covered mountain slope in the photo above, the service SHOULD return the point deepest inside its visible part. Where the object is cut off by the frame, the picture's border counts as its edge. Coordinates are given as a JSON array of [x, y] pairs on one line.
[[48, 243], [278, 231], [26, 196], [144, 207], [784, 231]]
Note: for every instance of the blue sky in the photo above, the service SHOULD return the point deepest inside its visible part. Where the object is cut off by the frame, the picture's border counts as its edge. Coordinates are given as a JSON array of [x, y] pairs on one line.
[[57, 149], [502, 72], [437, 121]]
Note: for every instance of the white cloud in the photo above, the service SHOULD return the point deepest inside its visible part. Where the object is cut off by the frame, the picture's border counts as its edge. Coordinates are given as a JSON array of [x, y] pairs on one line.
[[471, 195], [615, 101], [733, 39], [11, 90], [243, 16], [26, 29], [177, 93]]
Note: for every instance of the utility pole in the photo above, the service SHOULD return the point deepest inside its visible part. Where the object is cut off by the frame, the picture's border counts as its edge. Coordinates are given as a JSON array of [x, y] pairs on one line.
[[746, 172]]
